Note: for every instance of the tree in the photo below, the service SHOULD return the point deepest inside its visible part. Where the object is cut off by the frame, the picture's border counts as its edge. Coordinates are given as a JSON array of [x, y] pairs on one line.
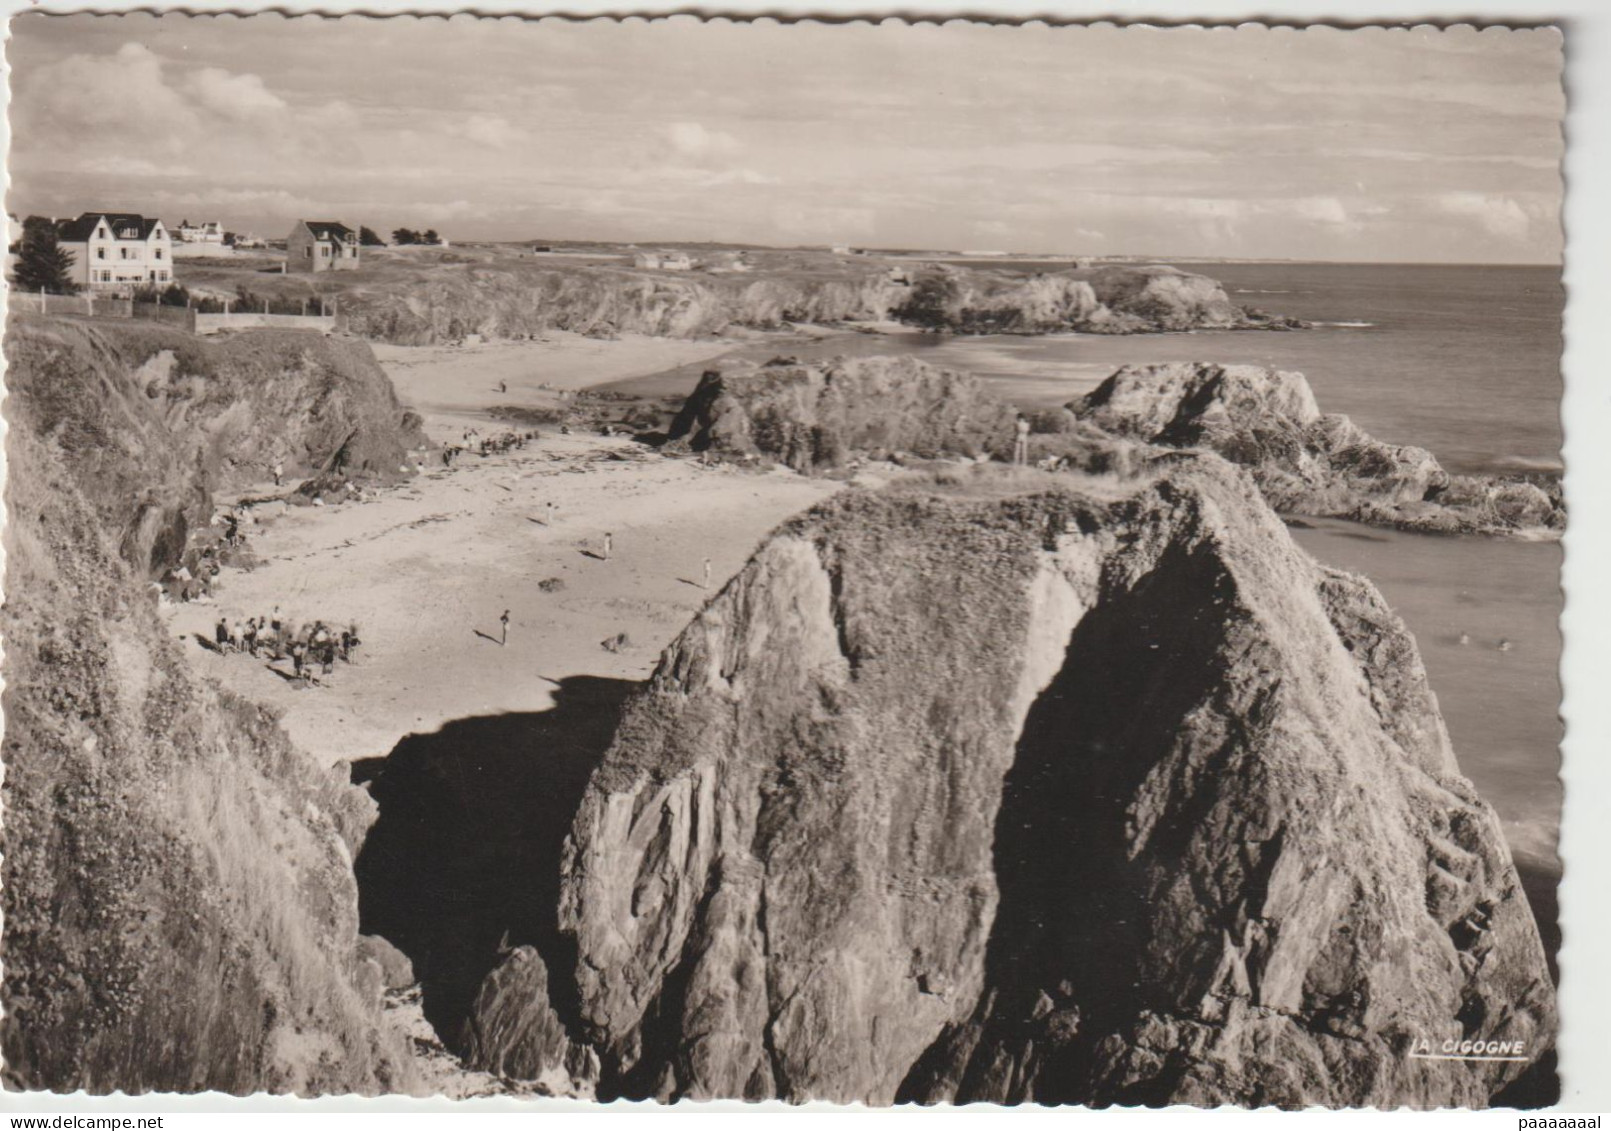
[[405, 236], [368, 238], [42, 263], [933, 302], [430, 236]]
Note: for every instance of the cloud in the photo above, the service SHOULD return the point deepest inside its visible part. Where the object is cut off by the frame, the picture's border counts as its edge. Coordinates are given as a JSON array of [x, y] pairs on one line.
[[105, 94], [1322, 209], [1498, 214], [236, 97], [491, 131], [693, 140]]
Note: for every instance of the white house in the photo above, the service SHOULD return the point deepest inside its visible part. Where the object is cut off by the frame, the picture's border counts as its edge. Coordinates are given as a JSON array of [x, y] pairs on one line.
[[208, 231], [663, 261], [115, 251]]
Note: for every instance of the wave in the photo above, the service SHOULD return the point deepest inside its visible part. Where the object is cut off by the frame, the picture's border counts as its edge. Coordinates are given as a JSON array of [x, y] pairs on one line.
[[1346, 325], [1549, 464]]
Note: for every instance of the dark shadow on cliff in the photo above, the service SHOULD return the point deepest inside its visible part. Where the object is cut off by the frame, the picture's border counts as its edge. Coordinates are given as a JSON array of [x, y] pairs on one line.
[[1061, 966], [463, 862], [1542, 885]]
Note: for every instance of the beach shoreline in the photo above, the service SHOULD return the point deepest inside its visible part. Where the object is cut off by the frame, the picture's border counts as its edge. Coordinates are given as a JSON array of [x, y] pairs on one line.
[[426, 568]]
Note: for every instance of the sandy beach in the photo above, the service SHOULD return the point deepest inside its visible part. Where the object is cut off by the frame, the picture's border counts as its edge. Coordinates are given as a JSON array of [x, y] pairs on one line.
[[427, 568]]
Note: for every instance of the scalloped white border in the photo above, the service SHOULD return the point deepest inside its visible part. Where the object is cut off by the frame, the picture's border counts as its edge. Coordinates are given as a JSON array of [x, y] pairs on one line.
[[1585, 993]]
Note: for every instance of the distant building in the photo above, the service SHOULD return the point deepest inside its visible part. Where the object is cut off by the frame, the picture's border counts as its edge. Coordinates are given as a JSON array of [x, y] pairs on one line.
[[663, 261], [115, 251], [248, 240], [206, 232], [321, 245], [725, 262], [841, 249]]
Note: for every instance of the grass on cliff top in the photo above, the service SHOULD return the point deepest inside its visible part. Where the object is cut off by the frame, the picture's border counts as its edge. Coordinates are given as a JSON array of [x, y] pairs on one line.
[[388, 269]]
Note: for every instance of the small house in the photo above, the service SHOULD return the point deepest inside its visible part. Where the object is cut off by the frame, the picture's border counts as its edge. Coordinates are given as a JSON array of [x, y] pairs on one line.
[[321, 245], [206, 232], [663, 261], [117, 251]]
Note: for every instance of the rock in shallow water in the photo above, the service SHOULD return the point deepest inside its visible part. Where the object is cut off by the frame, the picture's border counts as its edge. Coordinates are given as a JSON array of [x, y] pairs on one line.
[[1305, 462], [1096, 794]]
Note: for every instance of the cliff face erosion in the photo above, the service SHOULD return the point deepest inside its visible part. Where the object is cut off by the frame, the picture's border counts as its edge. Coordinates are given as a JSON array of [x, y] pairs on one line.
[[153, 420], [1307, 462], [180, 906], [1020, 787], [515, 299]]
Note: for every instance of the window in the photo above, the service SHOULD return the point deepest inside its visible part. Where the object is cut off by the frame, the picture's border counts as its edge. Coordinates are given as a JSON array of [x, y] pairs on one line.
[[307, 253], [100, 253], [324, 251], [157, 253]]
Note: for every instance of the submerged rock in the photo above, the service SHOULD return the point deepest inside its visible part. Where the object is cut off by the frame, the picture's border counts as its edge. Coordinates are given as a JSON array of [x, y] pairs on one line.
[[1103, 793], [1304, 461], [815, 416]]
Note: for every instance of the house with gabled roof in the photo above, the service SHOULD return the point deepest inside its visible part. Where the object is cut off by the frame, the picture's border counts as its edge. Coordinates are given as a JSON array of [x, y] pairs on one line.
[[321, 245], [117, 251]]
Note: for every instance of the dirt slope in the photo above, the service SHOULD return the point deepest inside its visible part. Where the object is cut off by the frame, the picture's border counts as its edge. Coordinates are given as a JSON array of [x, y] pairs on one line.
[[179, 900]]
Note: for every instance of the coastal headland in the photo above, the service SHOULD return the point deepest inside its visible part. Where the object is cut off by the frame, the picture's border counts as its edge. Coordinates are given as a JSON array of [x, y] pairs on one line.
[[561, 591]]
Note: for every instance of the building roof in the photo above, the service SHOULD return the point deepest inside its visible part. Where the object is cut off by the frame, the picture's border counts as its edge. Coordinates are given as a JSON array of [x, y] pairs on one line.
[[330, 230], [80, 230]]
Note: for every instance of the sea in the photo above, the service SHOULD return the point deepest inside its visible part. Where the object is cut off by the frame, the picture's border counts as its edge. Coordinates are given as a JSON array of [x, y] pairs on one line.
[[1461, 360]]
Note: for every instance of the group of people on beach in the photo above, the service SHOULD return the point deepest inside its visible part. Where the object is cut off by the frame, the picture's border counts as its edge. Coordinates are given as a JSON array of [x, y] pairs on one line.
[[473, 441], [280, 639]]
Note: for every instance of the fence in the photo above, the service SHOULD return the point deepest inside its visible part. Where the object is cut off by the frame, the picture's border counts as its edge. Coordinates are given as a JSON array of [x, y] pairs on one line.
[[182, 316], [88, 305], [212, 323]]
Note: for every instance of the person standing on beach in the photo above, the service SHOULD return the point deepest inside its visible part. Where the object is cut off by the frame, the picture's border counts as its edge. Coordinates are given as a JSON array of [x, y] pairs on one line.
[[279, 471], [706, 585], [609, 540], [503, 622], [550, 506], [1020, 446]]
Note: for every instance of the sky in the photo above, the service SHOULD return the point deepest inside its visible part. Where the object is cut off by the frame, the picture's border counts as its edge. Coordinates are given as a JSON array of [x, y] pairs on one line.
[[1419, 145]]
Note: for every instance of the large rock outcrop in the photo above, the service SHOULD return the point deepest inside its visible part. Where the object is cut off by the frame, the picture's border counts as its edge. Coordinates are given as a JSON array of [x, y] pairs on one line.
[[1099, 793], [180, 907], [815, 416], [153, 420], [1119, 299], [449, 297], [1304, 461]]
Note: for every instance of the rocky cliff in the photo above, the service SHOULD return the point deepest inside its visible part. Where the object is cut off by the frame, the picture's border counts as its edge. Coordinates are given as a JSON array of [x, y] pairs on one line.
[[180, 906], [1020, 787], [510, 299], [815, 416], [1102, 300], [153, 419], [1304, 461]]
